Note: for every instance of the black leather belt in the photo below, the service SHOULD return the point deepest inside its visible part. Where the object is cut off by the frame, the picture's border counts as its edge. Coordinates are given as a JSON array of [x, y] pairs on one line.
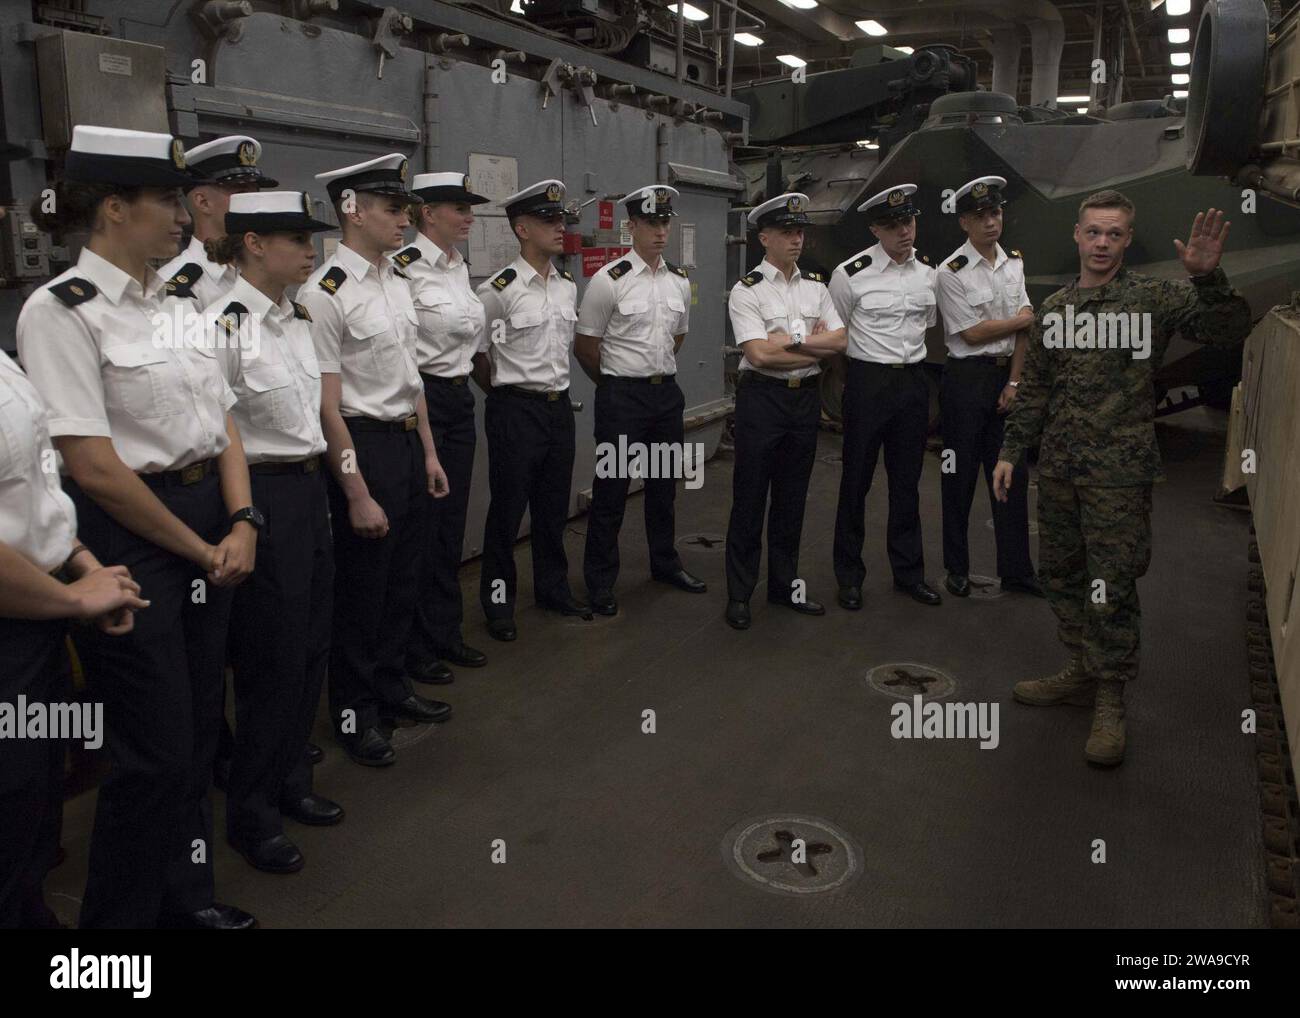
[[988, 360], [548, 396], [647, 380], [882, 364], [370, 424], [308, 466], [444, 379], [185, 476], [750, 377]]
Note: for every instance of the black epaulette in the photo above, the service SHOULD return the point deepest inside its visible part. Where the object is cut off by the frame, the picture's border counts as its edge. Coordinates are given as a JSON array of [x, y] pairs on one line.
[[958, 263], [74, 291], [506, 277], [619, 268], [231, 317], [925, 259], [182, 284], [300, 312], [857, 265], [332, 280], [567, 274], [752, 278], [676, 268], [1014, 254], [816, 273], [407, 255]]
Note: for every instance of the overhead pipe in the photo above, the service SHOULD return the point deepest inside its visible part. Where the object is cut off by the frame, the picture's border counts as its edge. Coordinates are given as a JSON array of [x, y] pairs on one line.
[[1004, 45]]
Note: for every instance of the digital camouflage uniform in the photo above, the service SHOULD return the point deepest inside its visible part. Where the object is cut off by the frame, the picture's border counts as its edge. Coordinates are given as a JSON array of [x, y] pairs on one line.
[[1094, 411]]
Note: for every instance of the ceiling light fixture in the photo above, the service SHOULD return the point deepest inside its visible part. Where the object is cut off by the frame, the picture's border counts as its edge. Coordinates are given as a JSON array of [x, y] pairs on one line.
[[745, 39], [689, 13], [1180, 59], [1178, 36], [872, 27], [790, 60], [1177, 8]]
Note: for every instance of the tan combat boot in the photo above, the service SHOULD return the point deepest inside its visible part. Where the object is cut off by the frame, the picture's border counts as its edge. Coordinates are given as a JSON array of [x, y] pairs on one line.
[[1106, 742], [1069, 685]]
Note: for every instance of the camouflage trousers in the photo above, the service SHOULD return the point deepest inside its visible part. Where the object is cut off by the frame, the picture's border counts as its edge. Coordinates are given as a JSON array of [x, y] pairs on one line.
[[1086, 534]]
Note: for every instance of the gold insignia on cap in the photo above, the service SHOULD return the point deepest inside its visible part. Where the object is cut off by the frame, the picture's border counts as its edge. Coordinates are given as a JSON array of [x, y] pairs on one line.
[[247, 153], [896, 197], [401, 171], [306, 204], [794, 204], [178, 153], [465, 183], [76, 289], [553, 193], [980, 189], [661, 195]]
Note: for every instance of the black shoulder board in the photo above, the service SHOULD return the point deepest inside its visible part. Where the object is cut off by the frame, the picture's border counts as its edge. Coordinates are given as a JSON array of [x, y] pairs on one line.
[[332, 280], [567, 274], [74, 291], [1014, 254], [857, 265], [923, 258], [300, 312], [619, 268], [814, 272], [182, 284], [958, 263], [407, 255], [752, 278], [505, 279], [231, 315], [676, 268]]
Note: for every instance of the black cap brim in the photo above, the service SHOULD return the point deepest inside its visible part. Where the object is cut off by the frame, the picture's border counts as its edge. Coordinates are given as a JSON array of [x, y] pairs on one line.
[[455, 195], [262, 181], [273, 222], [548, 211], [784, 219], [126, 171]]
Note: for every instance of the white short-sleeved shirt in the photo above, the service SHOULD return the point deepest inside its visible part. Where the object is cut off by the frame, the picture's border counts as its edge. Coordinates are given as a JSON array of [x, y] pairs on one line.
[[888, 305], [636, 311], [112, 365], [37, 519], [764, 301], [270, 364], [363, 325], [531, 347], [449, 311], [976, 291], [204, 286]]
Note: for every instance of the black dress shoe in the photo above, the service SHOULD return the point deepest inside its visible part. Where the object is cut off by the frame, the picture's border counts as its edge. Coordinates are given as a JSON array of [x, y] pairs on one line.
[[434, 672], [368, 748], [683, 580], [920, 592], [314, 753], [803, 608], [958, 586], [313, 810], [215, 917], [416, 708], [1023, 585], [603, 602], [502, 629], [274, 855], [463, 656], [850, 598], [738, 614], [568, 606]]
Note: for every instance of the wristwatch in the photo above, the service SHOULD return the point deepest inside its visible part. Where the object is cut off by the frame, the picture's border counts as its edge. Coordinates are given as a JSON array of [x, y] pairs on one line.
[[249, 514], [1014, 385]]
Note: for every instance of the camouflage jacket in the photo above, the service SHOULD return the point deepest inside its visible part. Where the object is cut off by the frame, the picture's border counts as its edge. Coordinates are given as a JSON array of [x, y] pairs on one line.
[[1093, 405]]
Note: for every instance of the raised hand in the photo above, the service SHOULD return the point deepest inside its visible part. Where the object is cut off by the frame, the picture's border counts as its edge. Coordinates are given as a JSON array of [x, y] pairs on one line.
[[1204, 247]]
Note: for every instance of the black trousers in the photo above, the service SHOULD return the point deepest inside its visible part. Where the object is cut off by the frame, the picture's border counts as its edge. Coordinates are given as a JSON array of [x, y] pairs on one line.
[[776, 444], [34, 664], [439, 612], [530, 467], [279, 650], [642, 412], [161, 686], [376, 579], [887, 407], [972, 429]]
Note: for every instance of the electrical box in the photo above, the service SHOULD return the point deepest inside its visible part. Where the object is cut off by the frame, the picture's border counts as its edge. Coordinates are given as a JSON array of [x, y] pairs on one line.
[[94, 79], [24, 249]]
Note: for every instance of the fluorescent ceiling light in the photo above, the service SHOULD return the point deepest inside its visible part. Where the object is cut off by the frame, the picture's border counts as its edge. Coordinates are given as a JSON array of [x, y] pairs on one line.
[[1069, 100], [800, 5], [689, 13], [872, 27], [1177, 8], [1180, 79], [790, 60], [1180, 59], [868, 144], [905, 49], [517, 7], [1178, 36], [745, 39], [1180, 93], [1081, 109]]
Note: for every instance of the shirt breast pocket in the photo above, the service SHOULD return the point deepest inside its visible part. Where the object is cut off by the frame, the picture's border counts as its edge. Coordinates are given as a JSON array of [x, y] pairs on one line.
[[435, 314], [527, 328], [774, 316], [880, 303], [979, 297], [265, 396], [140, 381], [17, 437], [374, 342], [920, 303]]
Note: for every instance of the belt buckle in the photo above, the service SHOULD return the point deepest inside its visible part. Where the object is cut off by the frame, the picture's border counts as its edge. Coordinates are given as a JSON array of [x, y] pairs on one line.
[[194, 473], [458, 381], [899, 366], [656, 379], [551, 397], [1002, 361], [411, 423], [311, 465], [793, 383]]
